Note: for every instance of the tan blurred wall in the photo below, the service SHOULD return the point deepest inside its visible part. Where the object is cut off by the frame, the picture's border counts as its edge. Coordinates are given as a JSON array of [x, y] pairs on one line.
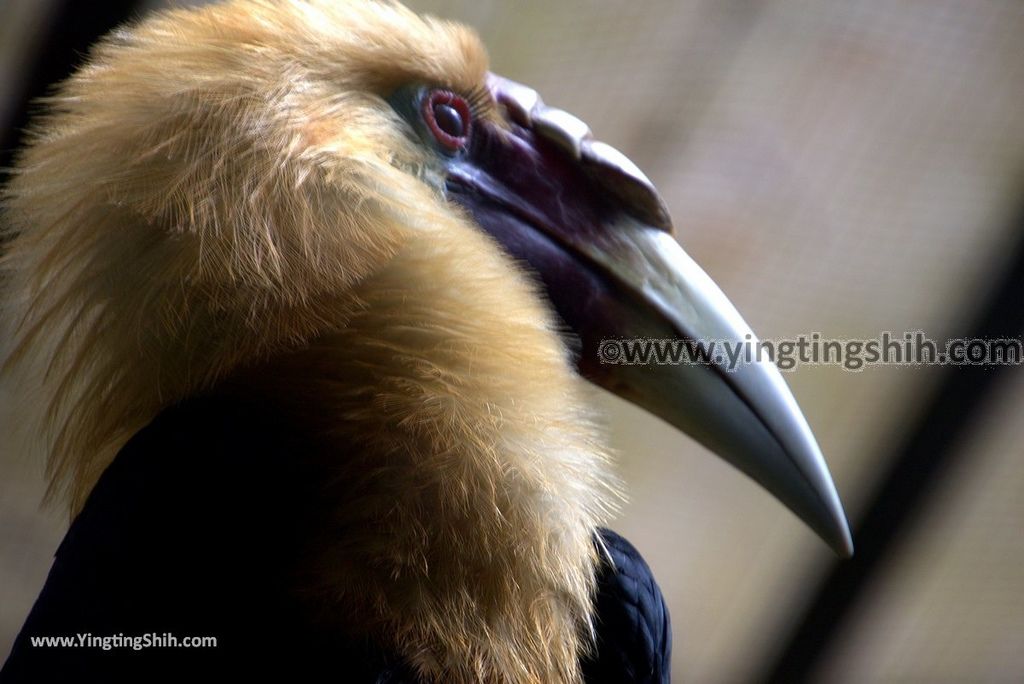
[[28, 535], [20, 21]]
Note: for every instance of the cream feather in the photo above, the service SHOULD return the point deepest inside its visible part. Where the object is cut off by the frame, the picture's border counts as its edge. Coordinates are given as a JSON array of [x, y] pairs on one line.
[[221, 200]]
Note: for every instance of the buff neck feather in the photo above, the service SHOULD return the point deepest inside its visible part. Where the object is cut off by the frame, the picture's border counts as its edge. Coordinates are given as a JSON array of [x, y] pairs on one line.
[[473, 476], [221, 198]]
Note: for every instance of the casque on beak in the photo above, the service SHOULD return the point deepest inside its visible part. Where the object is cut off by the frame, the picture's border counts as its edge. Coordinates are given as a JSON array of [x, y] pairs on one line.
[[595, 230]]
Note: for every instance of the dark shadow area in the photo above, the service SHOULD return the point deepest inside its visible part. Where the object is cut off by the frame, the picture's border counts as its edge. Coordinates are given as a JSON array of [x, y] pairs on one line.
[[71, 27]]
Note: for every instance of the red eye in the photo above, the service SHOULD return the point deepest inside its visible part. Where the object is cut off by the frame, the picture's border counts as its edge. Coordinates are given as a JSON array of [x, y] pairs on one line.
[[448, 117]]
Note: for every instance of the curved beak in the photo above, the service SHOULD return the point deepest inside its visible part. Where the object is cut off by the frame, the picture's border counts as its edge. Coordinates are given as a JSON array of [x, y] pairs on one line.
[[594, 229]]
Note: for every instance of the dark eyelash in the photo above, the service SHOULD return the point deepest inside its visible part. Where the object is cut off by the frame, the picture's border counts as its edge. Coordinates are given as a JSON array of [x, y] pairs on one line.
[[479, 101]]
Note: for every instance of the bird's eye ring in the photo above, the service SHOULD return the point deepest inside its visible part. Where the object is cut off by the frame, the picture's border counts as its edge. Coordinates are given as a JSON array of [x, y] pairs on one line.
[[449, 119]]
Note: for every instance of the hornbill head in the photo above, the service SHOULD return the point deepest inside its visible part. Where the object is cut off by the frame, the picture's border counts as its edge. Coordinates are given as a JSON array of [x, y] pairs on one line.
[[336, 206], [594, 228]]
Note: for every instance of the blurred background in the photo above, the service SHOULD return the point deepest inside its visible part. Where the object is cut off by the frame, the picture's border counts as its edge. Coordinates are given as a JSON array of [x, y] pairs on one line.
[[845, 167]]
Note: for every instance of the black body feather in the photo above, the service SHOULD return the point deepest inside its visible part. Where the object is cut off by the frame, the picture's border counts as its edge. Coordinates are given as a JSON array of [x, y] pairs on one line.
[[194, 530]]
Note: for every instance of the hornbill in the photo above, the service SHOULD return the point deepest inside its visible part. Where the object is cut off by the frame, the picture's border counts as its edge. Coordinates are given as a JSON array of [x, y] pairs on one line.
[[298, 298]]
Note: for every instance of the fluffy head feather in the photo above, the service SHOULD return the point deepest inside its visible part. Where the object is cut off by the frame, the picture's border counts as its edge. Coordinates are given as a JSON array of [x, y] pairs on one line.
[[222, 198]]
